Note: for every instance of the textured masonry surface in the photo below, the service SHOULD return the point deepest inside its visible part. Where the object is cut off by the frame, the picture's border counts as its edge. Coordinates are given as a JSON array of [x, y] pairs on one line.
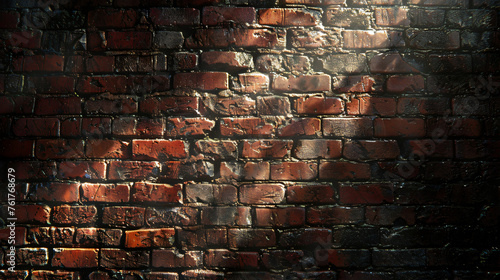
[[259, 139]]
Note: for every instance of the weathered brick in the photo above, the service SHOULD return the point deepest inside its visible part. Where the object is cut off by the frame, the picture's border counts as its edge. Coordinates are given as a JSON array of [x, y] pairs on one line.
[[158, 149], [262, 193], [266, 148], [319, 105], [118, 258], [426, 17], [128, 40], [399, 127], [366, 193], [371, 150], [105, 192], [172, 216], [98, 237], [358, 83], [166, 258], [284, 17], [305, 238], [208, 193], [67, 214], [318, 194], [348, 127], [344, 63], [390, 63], [175, 16], [75, 258], [129, 216], [300, 38], [294, 171], [238, 37], [434, 40], [223, 149], [58, 149], [107, 149], [251, 126], [235, 260], [221, 15], [397, 17], [229, 61], [359, 39], [143, 192], [172, 105], [112, 18], [424, 106], [348, 17], [226, 216], [245, 238], [252, 83], [300, 126], [144, 238], [280, 217], [327, 215], [303, 83], [202, 80], [188, 127], [405, 84], [371, 106], [10, 148], [121, 170], [273, 105], [59, 192]]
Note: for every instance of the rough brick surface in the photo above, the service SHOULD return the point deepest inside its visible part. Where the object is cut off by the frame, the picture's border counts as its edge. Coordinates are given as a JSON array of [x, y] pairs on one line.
[[250, 139]]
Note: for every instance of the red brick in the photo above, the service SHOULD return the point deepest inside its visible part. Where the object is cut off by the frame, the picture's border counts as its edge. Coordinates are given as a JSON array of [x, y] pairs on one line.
[[16, 104], [399, 127], [450, 63], [239, 37], [312, 39], [283, 17], [266, 148], [211, 194], [118, 258], [247, 238], [9, 19], [198, 237], [188, 127], [67, 214], [226, 216], [388, 63], [256, 171], [181, 216], [59, 192], [158, 105], [344, 170], [96, 126], [45, 63], [81, 170], [304, 83], [424, 106], [311, 194], [202, 80], [34, 170], [44, 274], [101, 84], [372, 106], [50, 84], [167, 258], [390, 215], [405, 84], [74, 64], [380, 39], [262, 193], [318, 148], [366, 193], [221, 15], [318, 105], [75, 258], [30, 213], [112, 18], [450, 3], [229, 61], [196, 274], [100, 63], [371, 149], [159, 149], [14, 148], [128, 40], [347, 17], [113, 105], [393, 17], [348, 127], [98, 237], [442, 127], [280, 217], [282, 259], [358, 83], [60, 236], [273, 105], [300, 126], [294, 171], [105, 192], [144, 238], [222, 149], [142, 127], [122, 170], [185, 61], [246, 127], [252, 83], [58, 106], [128, 216], [313, 2], [334, 215], [59, 149], [107, 149], [20, 238], [165, 193]]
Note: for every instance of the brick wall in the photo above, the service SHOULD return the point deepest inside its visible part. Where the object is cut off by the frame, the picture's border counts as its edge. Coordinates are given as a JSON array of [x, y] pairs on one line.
[[210, 139]]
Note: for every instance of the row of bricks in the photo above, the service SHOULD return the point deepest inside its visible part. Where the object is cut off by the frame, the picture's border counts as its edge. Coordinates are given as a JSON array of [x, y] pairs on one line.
[[245, 106], [436, 128], [256, 3], [358, 150], [132, 216], [427, 171], [248, 260], [205, 274], [252, 38], [220, 194], [249, 83], [336, 16], [351, 63], [197, 237]]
